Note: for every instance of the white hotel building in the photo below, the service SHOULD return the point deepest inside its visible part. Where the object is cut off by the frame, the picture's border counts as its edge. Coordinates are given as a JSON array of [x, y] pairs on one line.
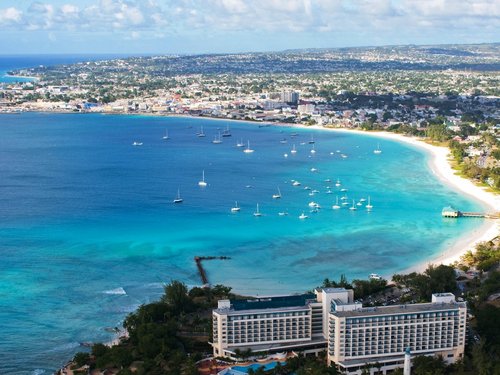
[[352, 335]]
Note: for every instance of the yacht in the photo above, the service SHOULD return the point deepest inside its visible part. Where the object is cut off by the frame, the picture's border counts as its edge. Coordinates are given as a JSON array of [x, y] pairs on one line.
[[137, 144], [377, 150], [353, 207], [314, 169], [313, 151], [337, 183], [282, 213], [240, 144], [283, 141], [217, 139], [312, 140], [226, 132], [201, 134], [293, 150], [303, 216], [202, 183], [336, 205], [296, 183], [178, 199], [236, 208], [314, 205], [248, 150], [369, 205], [257, 212], [277, 196], [166, 137]]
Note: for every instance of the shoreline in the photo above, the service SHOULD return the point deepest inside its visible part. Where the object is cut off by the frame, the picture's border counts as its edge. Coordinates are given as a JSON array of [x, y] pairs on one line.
[[441, 168]]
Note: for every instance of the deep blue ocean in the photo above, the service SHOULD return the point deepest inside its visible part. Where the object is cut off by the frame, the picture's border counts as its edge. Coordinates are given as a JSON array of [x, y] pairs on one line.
[[89, 230]]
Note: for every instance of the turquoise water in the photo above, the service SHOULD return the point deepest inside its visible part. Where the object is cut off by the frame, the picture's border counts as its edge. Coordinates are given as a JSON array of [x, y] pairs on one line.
[[89, 230]]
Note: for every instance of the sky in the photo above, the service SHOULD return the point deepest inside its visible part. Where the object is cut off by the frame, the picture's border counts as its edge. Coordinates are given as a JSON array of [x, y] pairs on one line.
[[222, 26]]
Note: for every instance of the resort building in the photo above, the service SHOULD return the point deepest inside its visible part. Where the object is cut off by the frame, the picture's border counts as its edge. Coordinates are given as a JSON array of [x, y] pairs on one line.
[[275, 324], [381, 335], [353, 336]]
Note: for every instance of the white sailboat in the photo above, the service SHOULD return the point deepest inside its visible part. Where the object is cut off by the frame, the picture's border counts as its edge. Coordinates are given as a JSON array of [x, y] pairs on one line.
[[137, 143], [313, 151], [178, 199], [377, 150], [293, 150], [336, 205], [166, 137], [369, 205], [303, 216], [337, 183], [236, 208], [201, 134], [240, 144], [248, 150], [353, 207], [217, 140], [257, 212], [202, 183], [277, 196]]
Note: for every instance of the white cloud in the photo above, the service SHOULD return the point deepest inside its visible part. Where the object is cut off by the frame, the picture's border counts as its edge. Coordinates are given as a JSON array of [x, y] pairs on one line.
[[10, 16], [377, 18]]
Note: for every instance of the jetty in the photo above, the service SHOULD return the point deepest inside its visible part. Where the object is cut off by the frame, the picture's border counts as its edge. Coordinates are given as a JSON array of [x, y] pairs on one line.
[[451, 212], [203, 275]]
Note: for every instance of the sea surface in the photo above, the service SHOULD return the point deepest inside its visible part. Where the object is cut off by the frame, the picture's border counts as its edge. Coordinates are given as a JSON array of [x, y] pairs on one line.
[[89, 229]]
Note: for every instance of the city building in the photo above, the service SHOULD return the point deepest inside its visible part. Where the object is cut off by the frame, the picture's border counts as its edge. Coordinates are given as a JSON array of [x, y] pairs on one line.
[[353, 336], [381, 335], [290, 97]]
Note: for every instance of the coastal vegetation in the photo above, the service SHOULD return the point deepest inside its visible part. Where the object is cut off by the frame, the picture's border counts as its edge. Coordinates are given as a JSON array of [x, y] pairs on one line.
[[169, 336]]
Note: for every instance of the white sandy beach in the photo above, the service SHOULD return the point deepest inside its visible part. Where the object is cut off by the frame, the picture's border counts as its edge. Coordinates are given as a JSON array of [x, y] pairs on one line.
[[441, 167]]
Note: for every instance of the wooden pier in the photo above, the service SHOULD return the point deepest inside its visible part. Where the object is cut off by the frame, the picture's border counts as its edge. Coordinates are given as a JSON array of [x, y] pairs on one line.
[[453, 213], [201, 270]]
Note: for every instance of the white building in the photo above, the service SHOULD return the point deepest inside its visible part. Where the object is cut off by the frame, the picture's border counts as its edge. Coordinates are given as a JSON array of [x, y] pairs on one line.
[[382, 334], [354, 336], [275, 324]]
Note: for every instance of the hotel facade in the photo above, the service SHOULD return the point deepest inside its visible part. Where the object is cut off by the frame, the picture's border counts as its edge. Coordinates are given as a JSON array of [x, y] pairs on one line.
[[331, 320]]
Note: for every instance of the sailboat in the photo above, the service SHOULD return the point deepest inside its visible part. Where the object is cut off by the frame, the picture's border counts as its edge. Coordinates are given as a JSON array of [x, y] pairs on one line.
[[336, 205], [313, 151], [178, 199], [202, 183], [236, 208], [166, 137], [257, 212], [293, 151], [312, 140], [240, 144], [369, 205], [248, 150], [217, 140], [277, 196], [303, 216], [226, 132], [377, 150], [201, 134], [337, 183], [353, 207]]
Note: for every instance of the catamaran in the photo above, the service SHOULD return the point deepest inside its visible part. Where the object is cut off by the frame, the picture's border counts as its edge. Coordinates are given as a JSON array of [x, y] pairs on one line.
[[293, 151], [377, 150], [203, 183]]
